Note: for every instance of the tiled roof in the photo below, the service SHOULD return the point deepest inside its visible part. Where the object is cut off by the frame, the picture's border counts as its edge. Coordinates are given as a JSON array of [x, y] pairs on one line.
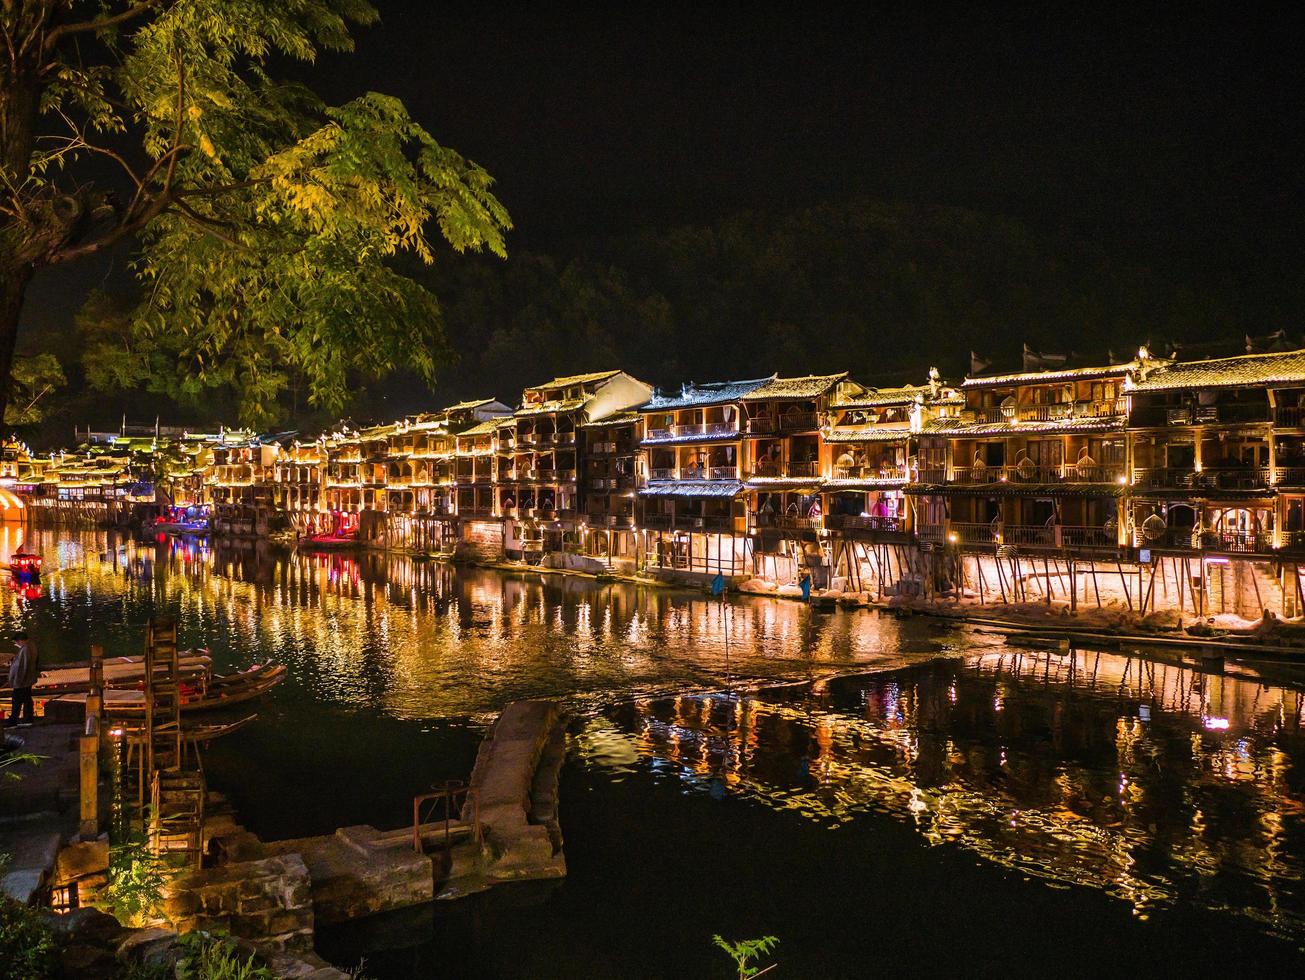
[[783, 483], [881, 397], [575, 379], [702, 395], [867, 433], [811, 386], [620, 418], [1227, 372], [463, 406], [1049, 377], [693, 488], [486, 428], [543, 408], [956, 428]]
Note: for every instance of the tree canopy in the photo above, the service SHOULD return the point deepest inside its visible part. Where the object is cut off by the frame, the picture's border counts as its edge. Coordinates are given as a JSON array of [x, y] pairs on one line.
[[267, 225]]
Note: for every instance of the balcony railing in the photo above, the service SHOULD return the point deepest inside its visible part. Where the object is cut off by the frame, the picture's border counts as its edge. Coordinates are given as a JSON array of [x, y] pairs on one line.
[[661, 473], [616, 520], [784, 422], [1291, 475], [690, 522], [1157, 415], [787, 522], [887, 471], [959, 533], [695, 430], [1072, 536], [1208, 478], [1289, 416], [858, 522], [1030, 472], [709, 473], [933, 533]]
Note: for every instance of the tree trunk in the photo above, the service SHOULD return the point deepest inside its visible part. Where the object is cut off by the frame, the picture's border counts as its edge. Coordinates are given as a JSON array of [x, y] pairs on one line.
[[13, 287]]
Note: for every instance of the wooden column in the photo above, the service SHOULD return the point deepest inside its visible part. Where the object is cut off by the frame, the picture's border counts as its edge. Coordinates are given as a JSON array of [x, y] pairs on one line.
[[89, 780]]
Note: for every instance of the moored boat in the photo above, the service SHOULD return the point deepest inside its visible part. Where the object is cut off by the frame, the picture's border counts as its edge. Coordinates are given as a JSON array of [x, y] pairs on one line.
[[219, 692]]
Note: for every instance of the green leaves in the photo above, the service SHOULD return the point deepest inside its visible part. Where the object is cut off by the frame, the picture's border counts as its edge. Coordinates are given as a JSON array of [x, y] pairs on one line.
[[745, 951], [270, 227], [34, 379]]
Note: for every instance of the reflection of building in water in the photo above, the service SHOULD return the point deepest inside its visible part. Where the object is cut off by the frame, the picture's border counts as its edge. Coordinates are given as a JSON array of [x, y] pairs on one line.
[[1155, 782], [427, 639]]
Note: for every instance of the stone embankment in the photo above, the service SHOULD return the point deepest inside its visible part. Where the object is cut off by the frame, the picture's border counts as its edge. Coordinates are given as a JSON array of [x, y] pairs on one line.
[[278, 892]]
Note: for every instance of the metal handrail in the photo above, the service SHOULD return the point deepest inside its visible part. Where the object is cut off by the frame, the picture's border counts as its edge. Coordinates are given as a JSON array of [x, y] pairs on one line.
[[449, 795]]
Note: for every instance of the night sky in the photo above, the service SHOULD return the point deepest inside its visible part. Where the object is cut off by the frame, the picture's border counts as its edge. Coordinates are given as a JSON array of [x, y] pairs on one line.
[[1171, 137]]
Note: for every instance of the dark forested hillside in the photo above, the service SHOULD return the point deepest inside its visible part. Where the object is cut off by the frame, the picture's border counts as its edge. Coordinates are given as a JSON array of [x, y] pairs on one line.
[[882, 290]]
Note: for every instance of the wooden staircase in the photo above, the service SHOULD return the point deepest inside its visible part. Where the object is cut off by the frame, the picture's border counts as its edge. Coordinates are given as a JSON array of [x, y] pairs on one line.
[[176, 793]]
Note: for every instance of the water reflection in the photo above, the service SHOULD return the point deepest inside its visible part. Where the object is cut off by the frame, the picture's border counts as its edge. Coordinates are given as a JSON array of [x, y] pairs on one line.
[[427, 640], [1154, 782]]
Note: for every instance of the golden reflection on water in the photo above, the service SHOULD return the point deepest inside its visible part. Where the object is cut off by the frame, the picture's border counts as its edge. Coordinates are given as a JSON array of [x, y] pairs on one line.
[[1153, 782], [427, 640]]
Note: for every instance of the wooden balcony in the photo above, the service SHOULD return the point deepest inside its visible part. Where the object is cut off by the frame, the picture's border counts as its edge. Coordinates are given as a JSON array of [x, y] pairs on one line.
[[1029, 472], [1229, 542], [1188, 478], [858, 522], [783, 422], [802, 470], [1033, 536], [787, 522], [599, 519], [873, 472], [1155, 416], [697, 430], [687, 522]]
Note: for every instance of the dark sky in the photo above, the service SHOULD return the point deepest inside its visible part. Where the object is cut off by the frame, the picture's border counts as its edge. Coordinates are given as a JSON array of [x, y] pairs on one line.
[[1172, 130], [1170, 135]]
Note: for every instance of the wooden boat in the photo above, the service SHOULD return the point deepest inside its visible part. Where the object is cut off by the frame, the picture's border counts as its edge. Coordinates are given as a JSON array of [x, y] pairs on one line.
[[124, 672], [220, 692], [202, 732]]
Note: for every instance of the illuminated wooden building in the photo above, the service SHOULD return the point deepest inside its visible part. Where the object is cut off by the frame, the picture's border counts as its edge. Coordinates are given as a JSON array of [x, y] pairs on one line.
[[870, 459], [783, 474], [538, 457], [240, 483], [609, 481], [692, 508], [298, 475]]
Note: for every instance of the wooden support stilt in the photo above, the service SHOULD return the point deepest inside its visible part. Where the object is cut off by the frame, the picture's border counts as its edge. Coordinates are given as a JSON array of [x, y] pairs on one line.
[[1001, 579], [1073, 587], [1096, 589], [1046, 570], [1150, 590], [1123, 580], [1259, 601]]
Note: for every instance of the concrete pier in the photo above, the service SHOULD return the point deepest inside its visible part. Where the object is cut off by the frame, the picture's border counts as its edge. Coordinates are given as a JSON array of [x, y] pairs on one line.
[[507, 831], [515, 787]]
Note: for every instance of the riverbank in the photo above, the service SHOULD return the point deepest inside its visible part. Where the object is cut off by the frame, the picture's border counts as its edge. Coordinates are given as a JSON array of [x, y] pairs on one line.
[[1110, 625]]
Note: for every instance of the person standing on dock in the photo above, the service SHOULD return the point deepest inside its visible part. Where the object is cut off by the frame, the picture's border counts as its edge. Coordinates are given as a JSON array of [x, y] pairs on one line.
[[23, 674]]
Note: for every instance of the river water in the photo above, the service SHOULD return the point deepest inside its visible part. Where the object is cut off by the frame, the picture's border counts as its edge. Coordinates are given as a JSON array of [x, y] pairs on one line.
[[883, 795]]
